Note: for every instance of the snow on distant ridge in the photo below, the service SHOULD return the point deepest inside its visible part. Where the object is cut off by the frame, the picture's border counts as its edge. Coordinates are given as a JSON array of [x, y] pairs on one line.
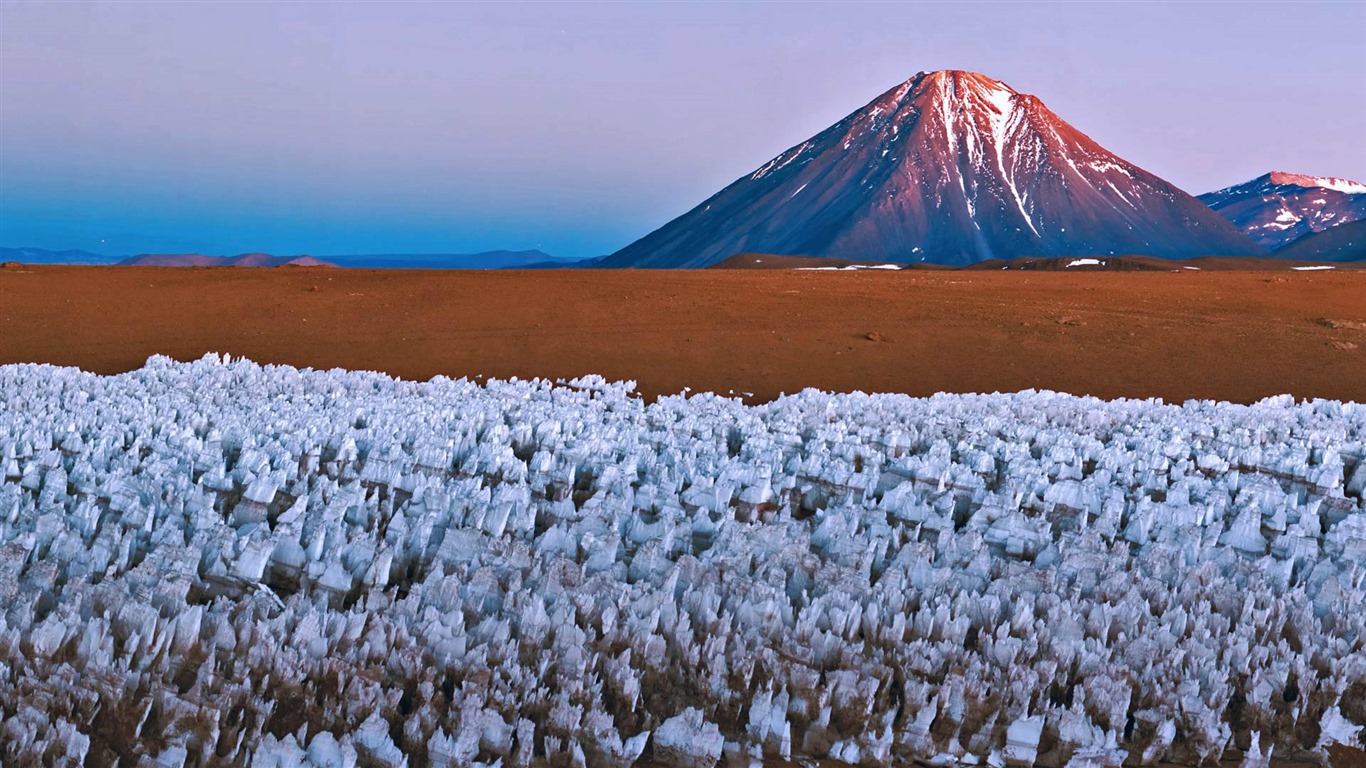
[[268, 566], [1325, 182]]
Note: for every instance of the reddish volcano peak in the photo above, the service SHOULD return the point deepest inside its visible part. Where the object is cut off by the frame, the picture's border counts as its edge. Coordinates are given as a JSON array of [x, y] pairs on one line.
[[961, 78], [948, 167], [956, 88]]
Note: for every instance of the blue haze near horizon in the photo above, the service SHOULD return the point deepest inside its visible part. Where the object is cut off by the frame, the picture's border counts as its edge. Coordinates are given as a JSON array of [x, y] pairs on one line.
[[576, 128]]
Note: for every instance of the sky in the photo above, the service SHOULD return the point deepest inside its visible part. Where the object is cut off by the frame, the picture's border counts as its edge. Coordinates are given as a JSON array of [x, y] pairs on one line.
[[387, 127]]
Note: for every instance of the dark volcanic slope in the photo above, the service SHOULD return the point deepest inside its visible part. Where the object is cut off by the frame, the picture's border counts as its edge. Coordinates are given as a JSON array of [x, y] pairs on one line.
[[768, 261], [1279, 208], [1343, 243], [951, 168], [773, 261], [1154, 264]]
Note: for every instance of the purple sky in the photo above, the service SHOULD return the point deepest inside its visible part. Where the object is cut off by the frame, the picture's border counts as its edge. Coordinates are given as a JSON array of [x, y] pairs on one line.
[[331, 128]]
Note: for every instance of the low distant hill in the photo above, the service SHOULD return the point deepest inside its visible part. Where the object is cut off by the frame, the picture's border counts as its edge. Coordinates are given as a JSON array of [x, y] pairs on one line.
[[1343, 243], [42, 256], [266, 260], [486, 260], [201, 260], [173, 260], [563, 264]]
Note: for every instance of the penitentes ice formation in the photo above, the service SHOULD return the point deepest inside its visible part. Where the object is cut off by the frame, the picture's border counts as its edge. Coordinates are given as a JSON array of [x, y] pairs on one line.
[[217, 563]]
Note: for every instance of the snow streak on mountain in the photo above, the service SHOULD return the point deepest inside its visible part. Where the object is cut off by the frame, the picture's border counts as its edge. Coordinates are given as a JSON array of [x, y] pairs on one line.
[[949, 167], [1278, 208]]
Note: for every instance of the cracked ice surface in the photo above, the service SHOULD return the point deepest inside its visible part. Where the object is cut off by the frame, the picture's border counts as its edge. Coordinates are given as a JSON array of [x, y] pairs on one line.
[[216, 563]]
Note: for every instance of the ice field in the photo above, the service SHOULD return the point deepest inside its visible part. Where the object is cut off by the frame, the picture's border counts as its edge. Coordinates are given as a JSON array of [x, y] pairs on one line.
[[218, 563]]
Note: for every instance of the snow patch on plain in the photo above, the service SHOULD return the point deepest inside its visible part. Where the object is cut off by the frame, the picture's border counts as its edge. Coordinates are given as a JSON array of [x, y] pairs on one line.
[[849, 268]]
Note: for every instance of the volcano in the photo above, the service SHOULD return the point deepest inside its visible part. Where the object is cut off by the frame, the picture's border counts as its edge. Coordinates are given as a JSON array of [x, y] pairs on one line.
[[949, 168], [1278, 208]]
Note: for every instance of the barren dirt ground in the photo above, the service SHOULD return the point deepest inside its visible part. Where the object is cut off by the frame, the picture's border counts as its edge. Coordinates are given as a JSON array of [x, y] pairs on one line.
[[1238, 336]]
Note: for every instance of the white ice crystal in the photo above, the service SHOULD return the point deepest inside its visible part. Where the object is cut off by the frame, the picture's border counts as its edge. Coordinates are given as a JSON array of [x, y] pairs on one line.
[[687, 740], [219, 563]]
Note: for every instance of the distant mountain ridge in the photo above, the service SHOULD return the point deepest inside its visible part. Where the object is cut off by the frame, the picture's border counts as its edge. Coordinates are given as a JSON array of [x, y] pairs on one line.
[[1278, 208], [502, 259], [485, 260], [201, 260], [44, 256], [949, 167]]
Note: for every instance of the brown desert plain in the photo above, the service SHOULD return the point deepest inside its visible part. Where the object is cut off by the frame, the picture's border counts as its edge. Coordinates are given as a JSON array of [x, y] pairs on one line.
[[1227, 335]]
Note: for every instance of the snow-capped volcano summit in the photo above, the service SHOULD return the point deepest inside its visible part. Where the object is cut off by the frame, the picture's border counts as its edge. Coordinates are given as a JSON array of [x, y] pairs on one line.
[[949, 167], [1278, 208]]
